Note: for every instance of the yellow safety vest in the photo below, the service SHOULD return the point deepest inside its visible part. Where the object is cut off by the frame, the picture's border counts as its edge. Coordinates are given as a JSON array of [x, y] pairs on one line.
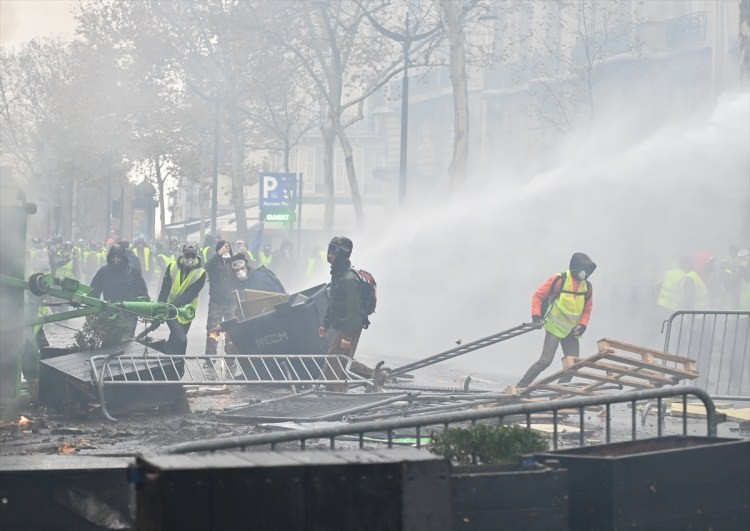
[[265, 259], [671, 295], [145, 258], [180, 285], [701, 301], [744, 296], [565, 312]]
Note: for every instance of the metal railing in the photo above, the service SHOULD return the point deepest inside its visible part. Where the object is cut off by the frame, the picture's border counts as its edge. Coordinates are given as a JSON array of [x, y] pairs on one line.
[[290, 370], [719, 341], [389, 427], [468, 347]]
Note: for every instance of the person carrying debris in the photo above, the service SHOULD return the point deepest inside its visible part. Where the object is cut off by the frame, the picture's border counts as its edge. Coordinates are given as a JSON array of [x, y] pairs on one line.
[[182, 283], [563, 302], [118, 281], [344, 314]]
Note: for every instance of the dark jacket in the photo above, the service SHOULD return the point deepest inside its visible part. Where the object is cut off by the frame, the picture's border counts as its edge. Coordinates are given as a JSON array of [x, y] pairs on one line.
[[118, 283], [221, 281], [344, 307], [190, 293]]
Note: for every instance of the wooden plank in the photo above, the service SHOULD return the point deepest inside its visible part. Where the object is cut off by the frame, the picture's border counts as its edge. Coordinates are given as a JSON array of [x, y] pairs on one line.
[[637, 372], [665, 356], [699, 410], [688, 375], [607, 379], [558, 389]]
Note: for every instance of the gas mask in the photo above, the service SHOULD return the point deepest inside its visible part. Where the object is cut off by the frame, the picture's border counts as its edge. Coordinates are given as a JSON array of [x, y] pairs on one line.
[[581, 275], [241, 274]]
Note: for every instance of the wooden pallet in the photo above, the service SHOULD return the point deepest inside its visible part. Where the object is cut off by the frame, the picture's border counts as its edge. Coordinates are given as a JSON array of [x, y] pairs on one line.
[[617, 364]]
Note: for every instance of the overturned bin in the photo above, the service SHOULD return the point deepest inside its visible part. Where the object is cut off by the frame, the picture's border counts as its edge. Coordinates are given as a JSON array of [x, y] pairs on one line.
[[677, 482], [290, 328]]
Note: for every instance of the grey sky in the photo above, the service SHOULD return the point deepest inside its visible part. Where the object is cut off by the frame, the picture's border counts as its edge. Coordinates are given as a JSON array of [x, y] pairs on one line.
[[23, 20]]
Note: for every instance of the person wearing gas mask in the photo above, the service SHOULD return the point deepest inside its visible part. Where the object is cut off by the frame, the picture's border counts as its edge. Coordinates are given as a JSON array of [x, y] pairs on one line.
[[563, 304], [182, 283], [259, 278], [221, 286]]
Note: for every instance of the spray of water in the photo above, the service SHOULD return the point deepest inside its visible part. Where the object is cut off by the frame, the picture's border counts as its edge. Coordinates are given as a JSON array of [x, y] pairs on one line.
[[467, 268]]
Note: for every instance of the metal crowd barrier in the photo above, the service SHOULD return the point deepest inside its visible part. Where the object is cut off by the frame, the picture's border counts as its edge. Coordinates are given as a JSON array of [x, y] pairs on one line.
[[360, 430], [247, 369], [719, 341]]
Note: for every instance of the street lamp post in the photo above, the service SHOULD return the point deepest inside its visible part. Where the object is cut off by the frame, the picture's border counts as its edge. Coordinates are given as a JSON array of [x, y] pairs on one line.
[[215, 181], [406, 44]]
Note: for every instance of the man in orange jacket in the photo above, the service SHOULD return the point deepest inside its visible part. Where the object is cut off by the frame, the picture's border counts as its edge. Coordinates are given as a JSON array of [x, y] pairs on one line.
[[564, 304]]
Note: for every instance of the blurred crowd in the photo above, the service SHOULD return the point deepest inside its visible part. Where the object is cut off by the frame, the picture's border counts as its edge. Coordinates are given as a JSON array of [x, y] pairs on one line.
[[83, 258], [705, 282]]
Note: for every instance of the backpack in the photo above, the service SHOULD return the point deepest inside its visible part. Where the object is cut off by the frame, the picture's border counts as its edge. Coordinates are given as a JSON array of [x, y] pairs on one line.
[[369, 294], [553, 296]]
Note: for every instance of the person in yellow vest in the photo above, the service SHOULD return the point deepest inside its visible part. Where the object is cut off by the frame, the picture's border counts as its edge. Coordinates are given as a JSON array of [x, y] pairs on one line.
[[671, 295], [315, 266], [265, 255], [182, 282], [142, 250], [696, 285], [241, 247], [740, 285], [563, 303]]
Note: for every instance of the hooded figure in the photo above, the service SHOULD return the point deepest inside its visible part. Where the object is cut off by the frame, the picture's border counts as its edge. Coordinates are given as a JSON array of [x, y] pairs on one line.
[[562, 306], [118, 280]]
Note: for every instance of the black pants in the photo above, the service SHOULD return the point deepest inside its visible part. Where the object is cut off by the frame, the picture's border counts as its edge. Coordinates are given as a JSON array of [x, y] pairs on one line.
[[217, 314], [570, 348], [177, 342]]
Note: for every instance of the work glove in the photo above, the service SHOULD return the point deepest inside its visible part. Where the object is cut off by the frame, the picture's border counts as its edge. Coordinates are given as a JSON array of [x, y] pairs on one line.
[[536, 319], [579, 330]]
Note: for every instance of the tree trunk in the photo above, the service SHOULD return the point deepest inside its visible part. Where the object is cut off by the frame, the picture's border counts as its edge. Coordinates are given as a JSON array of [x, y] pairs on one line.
[[329, 135], [745, 43], [238, 171], [160, 189], [351, 175], [454, 27]]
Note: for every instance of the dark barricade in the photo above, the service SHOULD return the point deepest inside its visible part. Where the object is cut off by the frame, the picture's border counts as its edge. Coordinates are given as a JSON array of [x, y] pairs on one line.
[[679, 482], [396, 489], [291, 328]]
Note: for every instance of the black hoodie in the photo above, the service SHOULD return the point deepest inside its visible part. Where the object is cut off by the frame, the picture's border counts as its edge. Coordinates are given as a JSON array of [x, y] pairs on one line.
[[581, 262]]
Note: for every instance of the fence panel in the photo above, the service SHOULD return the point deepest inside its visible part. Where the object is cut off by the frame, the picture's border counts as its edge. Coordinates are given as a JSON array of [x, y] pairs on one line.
[[720, 343]]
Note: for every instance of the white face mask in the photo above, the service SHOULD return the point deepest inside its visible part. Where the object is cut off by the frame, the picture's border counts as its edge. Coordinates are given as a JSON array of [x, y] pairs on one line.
[[582, 275], [189, 262], [241, 274], [226, 256]]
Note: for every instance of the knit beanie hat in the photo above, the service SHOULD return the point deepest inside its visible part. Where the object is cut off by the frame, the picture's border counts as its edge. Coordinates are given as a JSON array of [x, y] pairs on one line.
[[221, 244]]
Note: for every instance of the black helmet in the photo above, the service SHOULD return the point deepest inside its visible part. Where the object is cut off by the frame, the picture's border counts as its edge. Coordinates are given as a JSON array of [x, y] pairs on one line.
[[190, 250], [340, 246]]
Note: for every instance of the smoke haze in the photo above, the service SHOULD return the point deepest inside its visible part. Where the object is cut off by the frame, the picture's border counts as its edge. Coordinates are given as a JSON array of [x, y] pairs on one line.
[[467, 269]]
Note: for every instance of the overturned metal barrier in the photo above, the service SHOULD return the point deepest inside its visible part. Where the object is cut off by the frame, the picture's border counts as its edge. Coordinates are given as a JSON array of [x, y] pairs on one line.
[[292, 370], [720, 343], [468, 347], [361, 429]]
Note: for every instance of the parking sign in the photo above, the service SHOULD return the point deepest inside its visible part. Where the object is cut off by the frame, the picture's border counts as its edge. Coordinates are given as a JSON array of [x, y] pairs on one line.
[[278, 191]]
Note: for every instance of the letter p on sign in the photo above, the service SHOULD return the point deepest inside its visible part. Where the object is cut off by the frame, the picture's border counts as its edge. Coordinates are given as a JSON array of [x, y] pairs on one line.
[[270, 183]]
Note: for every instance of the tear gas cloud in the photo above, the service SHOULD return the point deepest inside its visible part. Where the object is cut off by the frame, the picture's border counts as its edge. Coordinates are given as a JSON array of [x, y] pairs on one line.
[[634, 203]]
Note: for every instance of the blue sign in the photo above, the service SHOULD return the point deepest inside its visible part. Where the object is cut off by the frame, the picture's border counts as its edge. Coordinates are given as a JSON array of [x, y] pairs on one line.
[[278, 191]]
